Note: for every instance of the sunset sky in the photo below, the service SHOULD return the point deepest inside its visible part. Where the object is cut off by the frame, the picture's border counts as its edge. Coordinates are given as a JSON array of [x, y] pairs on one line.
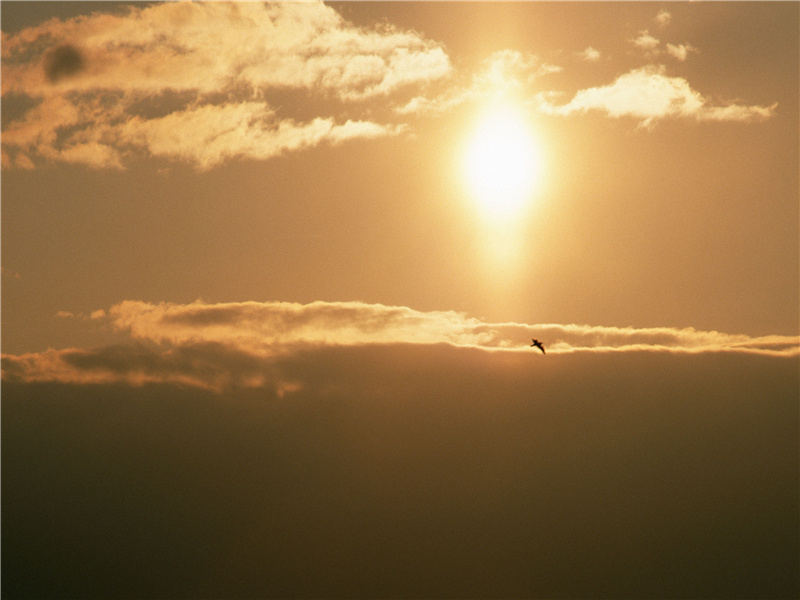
[[270, 274]]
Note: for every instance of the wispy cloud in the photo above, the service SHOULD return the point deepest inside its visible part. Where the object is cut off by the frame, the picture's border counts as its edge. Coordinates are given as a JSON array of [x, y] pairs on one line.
[[645, 41], [99, 83], [649, 94], [663, 18], [651, 46], [271, 327], [504, 71], [680, 51], [268, 328], [590, 54], [218, 345]]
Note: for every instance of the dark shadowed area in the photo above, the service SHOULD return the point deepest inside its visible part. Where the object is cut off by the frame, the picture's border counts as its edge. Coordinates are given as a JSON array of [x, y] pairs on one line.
[[63, 61], [408, 471]]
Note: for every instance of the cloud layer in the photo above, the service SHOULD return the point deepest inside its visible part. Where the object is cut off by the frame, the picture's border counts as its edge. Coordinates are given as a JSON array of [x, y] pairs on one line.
[[412, 471], [217, 345], [163, 81], [96, 81]]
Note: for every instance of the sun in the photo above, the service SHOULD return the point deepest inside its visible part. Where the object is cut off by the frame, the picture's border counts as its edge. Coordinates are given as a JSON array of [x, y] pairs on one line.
[[502, 163]]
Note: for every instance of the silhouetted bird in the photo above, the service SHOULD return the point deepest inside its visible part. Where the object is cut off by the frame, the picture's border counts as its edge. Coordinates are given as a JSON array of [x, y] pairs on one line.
[[538, 344]]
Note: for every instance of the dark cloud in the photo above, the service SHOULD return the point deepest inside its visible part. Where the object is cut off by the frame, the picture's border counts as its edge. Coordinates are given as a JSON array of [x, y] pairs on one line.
[[205, 365], [63, 61], [411, 471]]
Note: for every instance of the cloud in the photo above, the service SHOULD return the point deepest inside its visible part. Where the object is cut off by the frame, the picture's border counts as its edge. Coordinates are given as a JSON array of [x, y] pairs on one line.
[[63, 61], [99, 83], [208, 135], [407, 471], [214, 346], [272, 327], [503, 72], [645, 41], [663, 18], [178, 46], [510, 68], [267, 328], [590, 54], [649, 94], [680, 51], [203, 366]]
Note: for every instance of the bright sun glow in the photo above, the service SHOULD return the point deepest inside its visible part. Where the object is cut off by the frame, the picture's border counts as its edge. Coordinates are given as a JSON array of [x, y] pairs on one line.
[[502, 163]]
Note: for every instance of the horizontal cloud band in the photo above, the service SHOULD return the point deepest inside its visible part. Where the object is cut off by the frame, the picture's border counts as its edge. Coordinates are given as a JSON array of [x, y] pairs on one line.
[[216, 345], [266, 327]]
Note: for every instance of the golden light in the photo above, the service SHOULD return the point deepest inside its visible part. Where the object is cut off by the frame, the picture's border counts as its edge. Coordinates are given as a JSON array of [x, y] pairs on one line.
[[503, 163]]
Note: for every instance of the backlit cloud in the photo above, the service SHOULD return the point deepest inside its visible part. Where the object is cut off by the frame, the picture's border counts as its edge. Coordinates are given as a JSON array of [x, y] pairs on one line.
[[214, 346], [504, 71], [590, 54], [680, 51], [648, 94], [663, 18], [99, 84], [268, 328], [645, 41]]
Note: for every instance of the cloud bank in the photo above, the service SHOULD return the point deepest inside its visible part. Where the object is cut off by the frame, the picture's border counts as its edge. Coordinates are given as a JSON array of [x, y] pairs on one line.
[[411, 471], [100, 83], [214, 346]]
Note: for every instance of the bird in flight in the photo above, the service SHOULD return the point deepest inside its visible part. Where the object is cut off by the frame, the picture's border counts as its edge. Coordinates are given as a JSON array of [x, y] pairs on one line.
[[538, 344]]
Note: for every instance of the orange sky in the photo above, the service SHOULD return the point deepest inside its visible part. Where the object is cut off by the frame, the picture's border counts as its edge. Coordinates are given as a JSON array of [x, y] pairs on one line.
[[332, 169], [270, 274]]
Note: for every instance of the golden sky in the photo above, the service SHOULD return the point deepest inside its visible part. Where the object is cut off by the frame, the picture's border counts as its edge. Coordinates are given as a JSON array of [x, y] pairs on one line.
[[319, 237], [305, 152]]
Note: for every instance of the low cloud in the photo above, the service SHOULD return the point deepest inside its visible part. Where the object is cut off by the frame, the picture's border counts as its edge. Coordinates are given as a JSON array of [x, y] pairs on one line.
[[244, 344], [648, 94], [96, 82], [204, 366], [269, 328]]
